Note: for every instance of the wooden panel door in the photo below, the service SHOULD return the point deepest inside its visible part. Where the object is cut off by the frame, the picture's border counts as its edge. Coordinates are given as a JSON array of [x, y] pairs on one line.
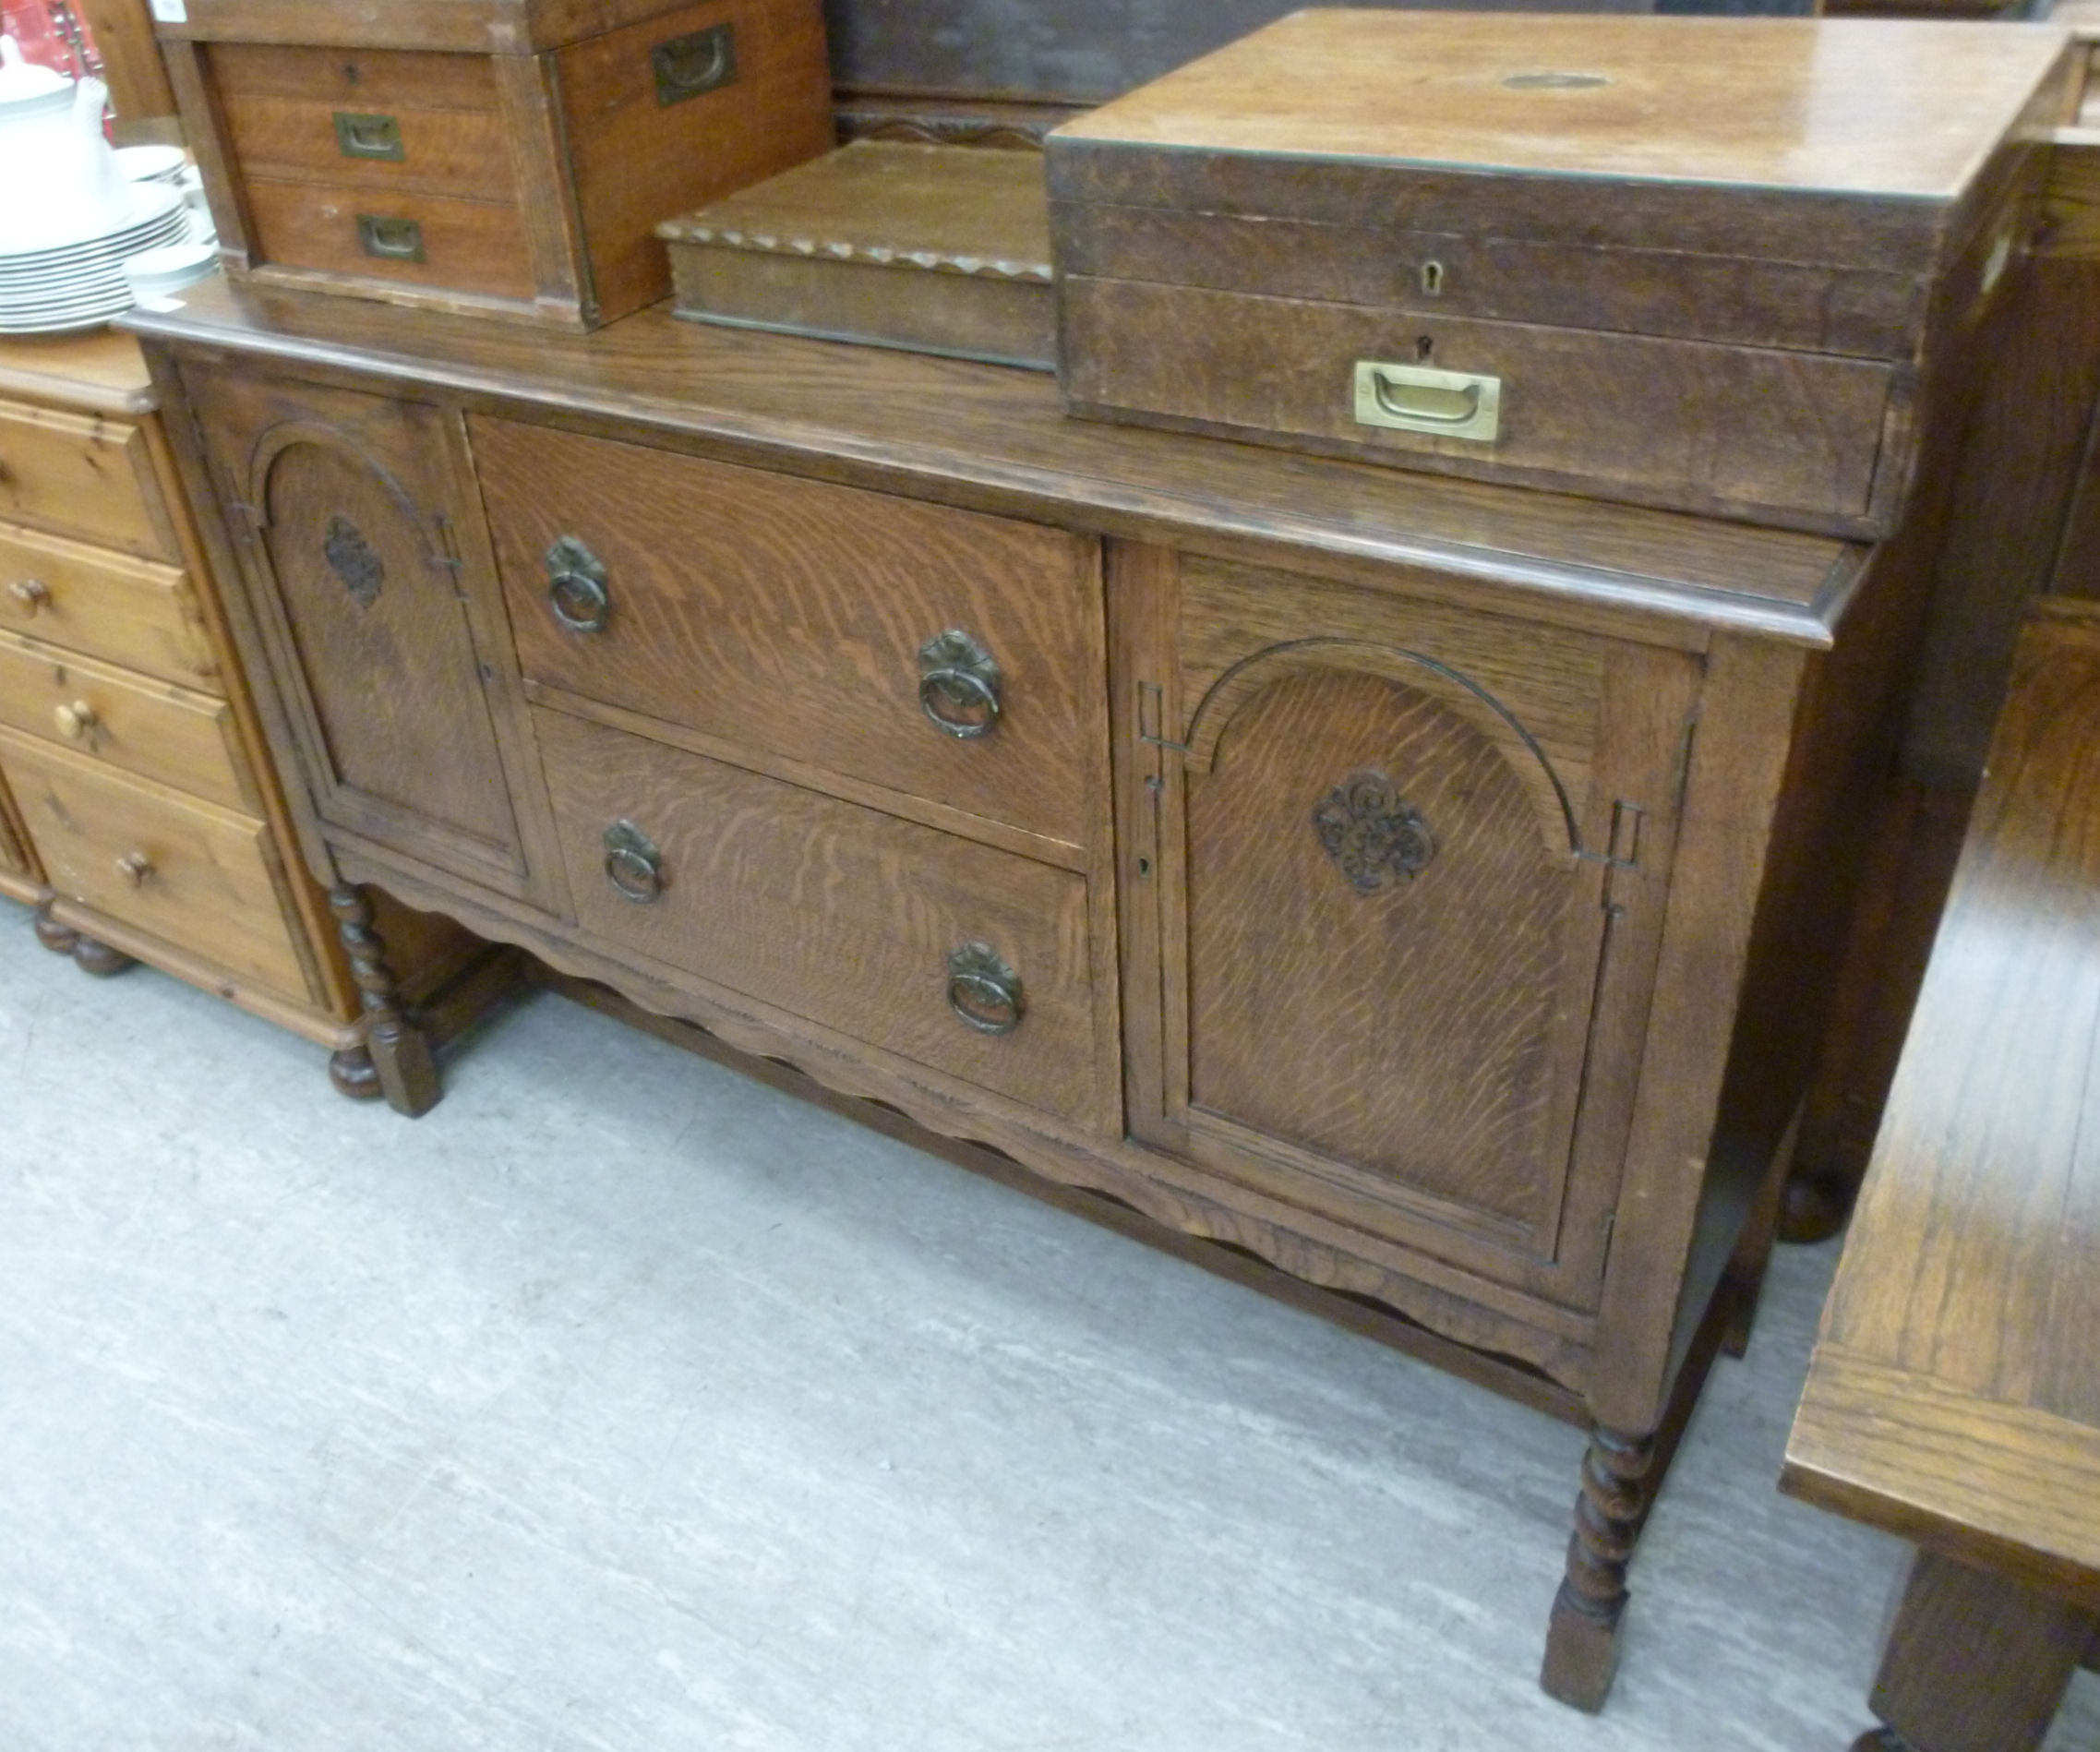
[[1399, 871], [344, 507]]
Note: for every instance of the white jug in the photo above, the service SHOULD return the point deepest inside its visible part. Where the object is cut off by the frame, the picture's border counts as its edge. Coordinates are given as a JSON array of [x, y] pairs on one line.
[[59, 181]]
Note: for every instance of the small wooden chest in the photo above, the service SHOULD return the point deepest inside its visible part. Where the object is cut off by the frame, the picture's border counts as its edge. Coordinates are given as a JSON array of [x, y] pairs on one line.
[[497, 157], [932, 248], [1710, 264]]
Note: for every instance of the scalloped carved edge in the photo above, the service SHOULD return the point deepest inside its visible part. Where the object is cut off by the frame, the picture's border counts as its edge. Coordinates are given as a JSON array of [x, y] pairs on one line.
[[877, 255], [1152, 1186]]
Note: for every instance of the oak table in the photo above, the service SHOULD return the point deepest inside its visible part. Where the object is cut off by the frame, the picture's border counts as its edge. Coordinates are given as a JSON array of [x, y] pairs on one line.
[[1954, 1395]]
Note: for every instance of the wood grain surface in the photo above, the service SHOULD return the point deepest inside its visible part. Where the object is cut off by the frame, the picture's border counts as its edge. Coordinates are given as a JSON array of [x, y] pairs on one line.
[[209, 879], [1954, 1395], [788, 616], [152, 728], [997, 440], [833, 912], [83, 475], [469, 246], [135, 612]]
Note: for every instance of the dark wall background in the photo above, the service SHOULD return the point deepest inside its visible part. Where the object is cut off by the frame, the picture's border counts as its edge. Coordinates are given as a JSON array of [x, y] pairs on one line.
[[1086, 50]]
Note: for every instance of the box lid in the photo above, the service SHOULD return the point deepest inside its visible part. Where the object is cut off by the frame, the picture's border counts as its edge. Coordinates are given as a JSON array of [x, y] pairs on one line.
[[1760, 113]]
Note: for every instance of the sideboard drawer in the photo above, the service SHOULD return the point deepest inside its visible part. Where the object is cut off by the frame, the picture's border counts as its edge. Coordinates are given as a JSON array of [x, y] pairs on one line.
[[83, 475], [845, 917], [136, 612], [184, 871], [795, 617], [149, 727], [430, 240]]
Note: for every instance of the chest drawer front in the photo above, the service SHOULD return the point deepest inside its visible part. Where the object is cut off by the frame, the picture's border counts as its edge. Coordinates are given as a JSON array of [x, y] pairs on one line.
[[160, 732], [793, 616], [196, 876], [849, 918], [375, 119], [133, 612], [430, 240], [1793, 437], [82, 475]]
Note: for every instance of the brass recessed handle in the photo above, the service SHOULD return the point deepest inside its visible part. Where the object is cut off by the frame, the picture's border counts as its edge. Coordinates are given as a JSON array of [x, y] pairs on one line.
[[694, 65], [959, 685], [388, 238], [136, 868], [577, 589], [983, 990], [634, 865], [75, 721], [1419, 398], [31, 593], [364, 136]]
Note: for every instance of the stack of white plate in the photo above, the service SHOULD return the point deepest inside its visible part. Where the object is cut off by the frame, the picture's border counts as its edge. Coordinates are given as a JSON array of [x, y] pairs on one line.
[[80, 285]]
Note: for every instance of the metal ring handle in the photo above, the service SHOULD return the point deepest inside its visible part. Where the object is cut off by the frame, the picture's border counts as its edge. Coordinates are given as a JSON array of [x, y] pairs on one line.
[[577, 586], [958, 685], [634, 865], [983, 990]]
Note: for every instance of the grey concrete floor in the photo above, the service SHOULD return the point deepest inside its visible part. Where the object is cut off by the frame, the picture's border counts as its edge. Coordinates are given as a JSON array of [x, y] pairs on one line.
[[624, 1403]]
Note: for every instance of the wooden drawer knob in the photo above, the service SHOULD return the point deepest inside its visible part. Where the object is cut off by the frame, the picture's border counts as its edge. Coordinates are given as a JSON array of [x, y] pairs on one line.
[[75, 721], [31, 593], [958, 685], [983, 990], [135, 868]]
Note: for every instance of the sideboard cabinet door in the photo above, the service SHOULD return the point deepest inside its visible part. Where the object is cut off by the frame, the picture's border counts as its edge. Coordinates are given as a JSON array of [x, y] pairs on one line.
[[1400, 867], [344, 507]]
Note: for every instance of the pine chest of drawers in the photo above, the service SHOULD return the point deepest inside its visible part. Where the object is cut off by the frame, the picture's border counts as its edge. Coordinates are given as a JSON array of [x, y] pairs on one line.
[[506, 157], [137, 810], [1422, 885]]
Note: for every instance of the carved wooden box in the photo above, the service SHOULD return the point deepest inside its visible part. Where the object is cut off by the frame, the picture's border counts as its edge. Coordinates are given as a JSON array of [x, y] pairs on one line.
[[934, 248], [1715, 265], [499, 157]]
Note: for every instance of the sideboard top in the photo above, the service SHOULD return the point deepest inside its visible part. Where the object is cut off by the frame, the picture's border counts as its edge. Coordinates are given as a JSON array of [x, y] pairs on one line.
[[997, 439]]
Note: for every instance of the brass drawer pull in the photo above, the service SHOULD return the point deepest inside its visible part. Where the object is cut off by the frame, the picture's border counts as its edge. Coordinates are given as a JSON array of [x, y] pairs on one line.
[[31, 595], [390, 239], [690, 67], [983, 989], [634, 865], [576, 586], [1419, 398], [958, 685], [368, 135], [75, 722], [136, 868]]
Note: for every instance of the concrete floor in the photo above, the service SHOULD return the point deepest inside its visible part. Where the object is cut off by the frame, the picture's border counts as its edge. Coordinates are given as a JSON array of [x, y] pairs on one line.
[[624, 1403]]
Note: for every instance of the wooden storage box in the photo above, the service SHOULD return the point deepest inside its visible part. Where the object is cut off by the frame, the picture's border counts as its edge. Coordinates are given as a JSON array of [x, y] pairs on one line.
[[1710, 264], [933, 248], [502, 157]]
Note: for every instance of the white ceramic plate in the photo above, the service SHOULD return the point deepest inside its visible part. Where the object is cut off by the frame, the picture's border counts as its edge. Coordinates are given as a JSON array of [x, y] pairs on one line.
[[150, 204]]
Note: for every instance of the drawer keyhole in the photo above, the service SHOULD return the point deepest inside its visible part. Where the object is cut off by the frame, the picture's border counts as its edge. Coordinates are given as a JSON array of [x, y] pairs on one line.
[[958, 685]]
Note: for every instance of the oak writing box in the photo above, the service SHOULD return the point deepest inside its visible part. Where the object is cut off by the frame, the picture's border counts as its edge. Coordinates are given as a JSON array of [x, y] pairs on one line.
[[1710, 264], [497, 157]]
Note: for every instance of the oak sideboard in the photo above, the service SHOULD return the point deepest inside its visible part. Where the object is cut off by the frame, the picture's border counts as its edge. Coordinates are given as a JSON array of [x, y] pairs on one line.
[[1422, 885]]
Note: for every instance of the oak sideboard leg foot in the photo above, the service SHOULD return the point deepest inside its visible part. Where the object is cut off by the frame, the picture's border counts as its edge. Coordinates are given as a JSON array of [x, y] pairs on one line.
[[99, 959], [1582, 1640], [351, 1070], [399, 1051], [1882, 1740]]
